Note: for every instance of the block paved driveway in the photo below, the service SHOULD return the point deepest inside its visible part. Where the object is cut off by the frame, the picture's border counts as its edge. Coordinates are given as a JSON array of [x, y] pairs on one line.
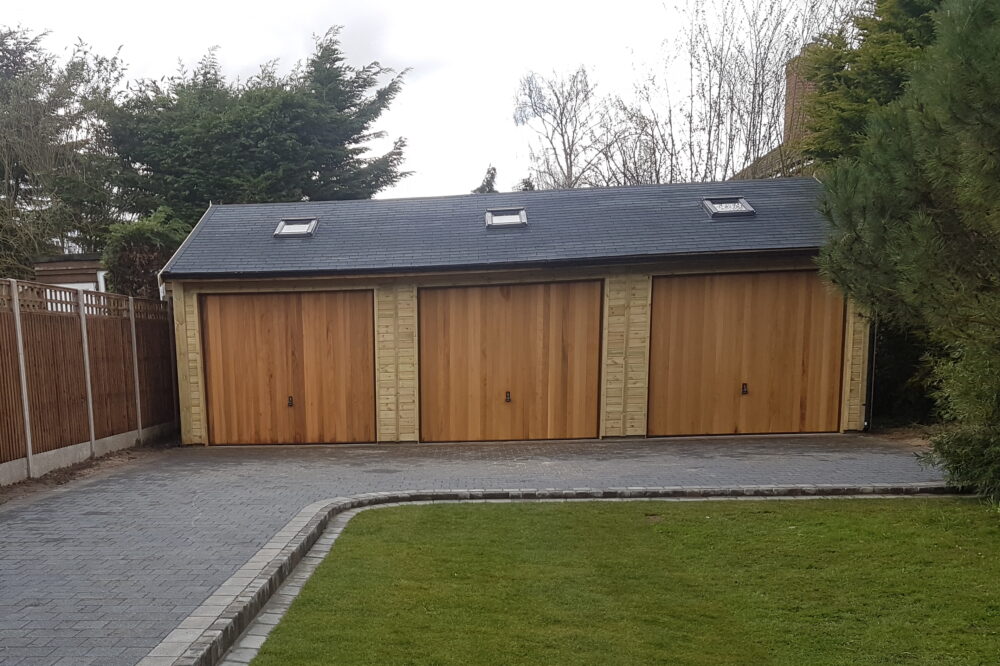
[[99, 570]]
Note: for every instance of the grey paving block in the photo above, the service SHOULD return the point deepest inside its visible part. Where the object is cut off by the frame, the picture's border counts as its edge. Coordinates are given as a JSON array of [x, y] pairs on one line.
[[119, 560]]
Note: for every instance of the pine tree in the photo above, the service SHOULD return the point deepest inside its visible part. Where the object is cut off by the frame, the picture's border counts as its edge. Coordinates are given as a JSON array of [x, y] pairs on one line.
[[853, 75], [199, 137], [917, 228], [489, 184], [525, 185]]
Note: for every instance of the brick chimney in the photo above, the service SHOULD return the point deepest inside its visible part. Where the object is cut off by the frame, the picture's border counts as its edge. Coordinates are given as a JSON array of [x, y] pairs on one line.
[[797, 89]]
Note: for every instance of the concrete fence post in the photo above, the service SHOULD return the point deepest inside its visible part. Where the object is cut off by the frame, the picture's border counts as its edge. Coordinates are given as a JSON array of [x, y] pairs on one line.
[[135, 369], [15, 301], [82, 304]]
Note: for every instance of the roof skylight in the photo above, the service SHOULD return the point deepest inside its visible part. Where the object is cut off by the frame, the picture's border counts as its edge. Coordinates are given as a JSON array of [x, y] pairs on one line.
[[728, 207], [299, 226], [506, 217]]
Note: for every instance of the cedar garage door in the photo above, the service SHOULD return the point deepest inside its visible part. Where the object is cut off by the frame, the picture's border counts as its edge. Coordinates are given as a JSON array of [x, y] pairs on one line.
[[745, 353], [289, 367], [510, 362]]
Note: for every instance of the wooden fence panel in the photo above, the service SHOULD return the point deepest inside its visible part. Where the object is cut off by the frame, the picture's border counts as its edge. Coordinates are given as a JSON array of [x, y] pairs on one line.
[[57, 390], [111, 380], [52, 330], [12, 442], [152, 334]]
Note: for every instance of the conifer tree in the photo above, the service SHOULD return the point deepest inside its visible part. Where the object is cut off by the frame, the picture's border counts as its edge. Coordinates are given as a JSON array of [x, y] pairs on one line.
[[198, 137], [917, 228], [860, 68], [489, 184], [853, 72]]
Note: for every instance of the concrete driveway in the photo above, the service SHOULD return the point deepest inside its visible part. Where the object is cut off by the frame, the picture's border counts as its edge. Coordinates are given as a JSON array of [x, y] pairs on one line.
[[99, 570]]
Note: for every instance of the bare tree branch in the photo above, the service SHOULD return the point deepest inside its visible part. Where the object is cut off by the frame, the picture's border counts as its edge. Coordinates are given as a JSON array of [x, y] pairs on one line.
[[728, 115]]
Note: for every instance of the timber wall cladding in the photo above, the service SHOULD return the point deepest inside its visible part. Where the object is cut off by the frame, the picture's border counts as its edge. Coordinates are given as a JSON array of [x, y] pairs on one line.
[[856, 345], [292, 367], [626, 355], [396, 363], [779, 333], [190, 375], [624, 375], [539, 342]]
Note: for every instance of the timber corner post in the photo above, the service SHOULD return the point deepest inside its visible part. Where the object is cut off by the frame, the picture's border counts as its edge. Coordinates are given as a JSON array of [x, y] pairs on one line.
[[188, 349], [856, 381]]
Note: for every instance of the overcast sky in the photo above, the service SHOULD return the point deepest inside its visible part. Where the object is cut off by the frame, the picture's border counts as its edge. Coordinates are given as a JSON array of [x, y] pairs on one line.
[[456, 108]]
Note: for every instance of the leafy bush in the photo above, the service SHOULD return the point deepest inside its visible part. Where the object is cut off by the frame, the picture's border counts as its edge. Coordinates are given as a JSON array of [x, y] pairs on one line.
[[971, 457], [968, 448], [136, 251]]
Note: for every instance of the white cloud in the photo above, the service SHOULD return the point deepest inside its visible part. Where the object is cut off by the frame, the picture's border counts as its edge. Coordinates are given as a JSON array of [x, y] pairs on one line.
[[466, 57]]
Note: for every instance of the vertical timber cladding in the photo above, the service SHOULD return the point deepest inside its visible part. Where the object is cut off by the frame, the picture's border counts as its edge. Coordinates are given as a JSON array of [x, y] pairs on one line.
[[745, 353], [510, 362], [290, 367]]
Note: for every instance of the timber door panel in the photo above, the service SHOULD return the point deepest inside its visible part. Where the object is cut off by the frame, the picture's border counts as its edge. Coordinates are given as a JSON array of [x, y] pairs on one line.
[[338, 366], [262, 349], [780, 333], [695, 359], [247, 349], [540, 342]]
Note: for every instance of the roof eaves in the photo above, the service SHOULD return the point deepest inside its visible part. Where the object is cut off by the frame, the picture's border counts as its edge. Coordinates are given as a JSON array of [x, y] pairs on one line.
[[588, 261], [165, 271]]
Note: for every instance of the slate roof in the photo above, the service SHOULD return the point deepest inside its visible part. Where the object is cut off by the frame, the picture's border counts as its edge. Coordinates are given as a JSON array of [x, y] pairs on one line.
[[564, 226]]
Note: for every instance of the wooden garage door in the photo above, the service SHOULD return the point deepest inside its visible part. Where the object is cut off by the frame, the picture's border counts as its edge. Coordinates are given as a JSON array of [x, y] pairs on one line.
[[780, 334], [315, 348], [539, 342]]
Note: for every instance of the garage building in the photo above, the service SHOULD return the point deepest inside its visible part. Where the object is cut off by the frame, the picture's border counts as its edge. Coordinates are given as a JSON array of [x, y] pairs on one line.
[[668, 310]]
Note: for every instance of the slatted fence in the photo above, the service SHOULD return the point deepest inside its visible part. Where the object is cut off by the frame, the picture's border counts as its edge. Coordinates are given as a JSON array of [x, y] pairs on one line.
[[81, 373]]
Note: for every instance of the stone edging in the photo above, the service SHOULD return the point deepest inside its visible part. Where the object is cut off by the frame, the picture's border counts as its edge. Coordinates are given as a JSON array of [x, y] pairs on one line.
[[204, 637]]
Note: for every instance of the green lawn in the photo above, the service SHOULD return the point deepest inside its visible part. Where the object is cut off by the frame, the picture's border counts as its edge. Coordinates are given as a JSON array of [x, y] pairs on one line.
[[905, 581]]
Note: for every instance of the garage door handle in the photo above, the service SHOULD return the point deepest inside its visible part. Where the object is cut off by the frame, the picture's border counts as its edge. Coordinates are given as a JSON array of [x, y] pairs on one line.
[[507, 399], [744, 390], [290, 403]]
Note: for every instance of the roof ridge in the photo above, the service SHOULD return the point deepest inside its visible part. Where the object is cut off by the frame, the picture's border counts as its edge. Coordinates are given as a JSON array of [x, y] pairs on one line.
[[609, 188]]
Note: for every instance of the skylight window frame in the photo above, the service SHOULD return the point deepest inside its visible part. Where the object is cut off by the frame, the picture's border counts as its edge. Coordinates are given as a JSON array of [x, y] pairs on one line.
[[711, 207], [493, 213], [309, 223]]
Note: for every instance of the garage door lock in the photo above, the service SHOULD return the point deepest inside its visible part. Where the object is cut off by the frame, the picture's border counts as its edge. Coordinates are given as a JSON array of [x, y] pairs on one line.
[[743, 391], [290, 403], [507, 398]]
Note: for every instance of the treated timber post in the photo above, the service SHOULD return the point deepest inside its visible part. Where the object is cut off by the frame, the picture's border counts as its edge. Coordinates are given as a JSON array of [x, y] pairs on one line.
[[172, 337], [135, 369], [22, 373], [81, 303]]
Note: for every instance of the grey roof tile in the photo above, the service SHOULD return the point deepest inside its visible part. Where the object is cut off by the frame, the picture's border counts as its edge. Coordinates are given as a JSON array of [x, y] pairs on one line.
[[601, 224]]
